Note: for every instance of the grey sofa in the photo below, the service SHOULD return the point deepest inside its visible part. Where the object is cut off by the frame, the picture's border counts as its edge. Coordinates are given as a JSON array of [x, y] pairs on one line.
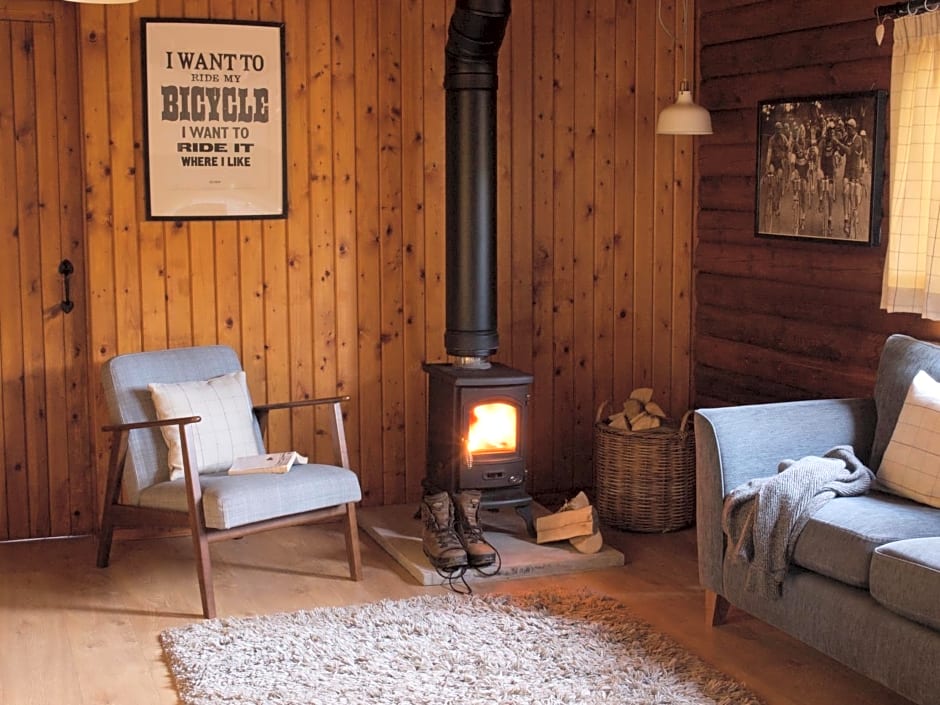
[[864, 579]]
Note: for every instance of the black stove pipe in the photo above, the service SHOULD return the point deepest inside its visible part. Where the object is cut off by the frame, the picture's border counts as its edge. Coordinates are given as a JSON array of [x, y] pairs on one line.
[[475, 34]]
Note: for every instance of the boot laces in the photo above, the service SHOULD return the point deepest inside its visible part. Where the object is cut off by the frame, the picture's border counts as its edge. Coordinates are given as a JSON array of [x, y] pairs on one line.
[[444, 535]]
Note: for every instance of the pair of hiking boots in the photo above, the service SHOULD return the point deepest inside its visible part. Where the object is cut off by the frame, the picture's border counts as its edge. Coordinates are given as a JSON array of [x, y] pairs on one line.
[[451, 535]]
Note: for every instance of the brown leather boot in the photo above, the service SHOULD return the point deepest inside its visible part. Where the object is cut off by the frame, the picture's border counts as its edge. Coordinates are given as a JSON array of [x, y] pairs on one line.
[[438, 538], [470, 531]]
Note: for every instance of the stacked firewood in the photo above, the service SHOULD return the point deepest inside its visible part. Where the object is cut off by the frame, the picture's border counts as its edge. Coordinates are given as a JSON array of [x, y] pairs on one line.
[[640, 412]]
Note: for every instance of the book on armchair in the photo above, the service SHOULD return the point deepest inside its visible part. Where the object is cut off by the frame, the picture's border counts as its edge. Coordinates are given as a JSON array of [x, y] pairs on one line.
[[277, 463]]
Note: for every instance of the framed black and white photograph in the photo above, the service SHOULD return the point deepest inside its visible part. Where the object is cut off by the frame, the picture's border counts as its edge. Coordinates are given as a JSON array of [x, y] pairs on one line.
[[820, 167], [214, 119]]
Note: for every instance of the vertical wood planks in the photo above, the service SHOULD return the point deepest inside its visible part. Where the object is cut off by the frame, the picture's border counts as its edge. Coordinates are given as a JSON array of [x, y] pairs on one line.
[[81, 483], [46, 487], [584, 234], [346, 295], [543, 291], [16, 489], [344, 217], [369, 252], [413, 238]]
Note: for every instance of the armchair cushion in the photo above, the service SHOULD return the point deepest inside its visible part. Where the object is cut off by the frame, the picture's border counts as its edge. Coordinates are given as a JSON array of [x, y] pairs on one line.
[[226, 431], [235, 500]]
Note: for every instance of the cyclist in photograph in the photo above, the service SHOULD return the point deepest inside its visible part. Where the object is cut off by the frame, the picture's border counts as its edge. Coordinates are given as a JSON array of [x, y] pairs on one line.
[[853, 147]]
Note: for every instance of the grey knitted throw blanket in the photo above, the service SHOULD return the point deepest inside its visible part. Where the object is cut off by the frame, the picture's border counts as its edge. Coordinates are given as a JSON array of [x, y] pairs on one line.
[[763, 517]]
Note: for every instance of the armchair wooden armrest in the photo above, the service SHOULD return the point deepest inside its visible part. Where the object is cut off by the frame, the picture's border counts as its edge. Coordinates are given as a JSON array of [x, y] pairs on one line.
[[181, 421], [339, 430]]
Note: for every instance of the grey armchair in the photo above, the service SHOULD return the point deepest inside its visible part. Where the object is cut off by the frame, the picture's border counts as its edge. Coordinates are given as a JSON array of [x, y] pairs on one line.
[[212, 504]]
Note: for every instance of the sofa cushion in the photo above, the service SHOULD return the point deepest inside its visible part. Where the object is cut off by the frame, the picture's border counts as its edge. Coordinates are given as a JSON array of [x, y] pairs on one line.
[[839, 540], [905, 578], [901, 359], [911, 463]]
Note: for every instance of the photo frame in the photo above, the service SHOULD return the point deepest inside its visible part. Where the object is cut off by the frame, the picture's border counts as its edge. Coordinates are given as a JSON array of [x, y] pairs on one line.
[[820, 167], [214, 120]]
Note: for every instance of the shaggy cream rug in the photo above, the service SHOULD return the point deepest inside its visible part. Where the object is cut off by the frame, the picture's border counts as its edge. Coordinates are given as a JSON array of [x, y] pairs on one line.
[[538, 648]]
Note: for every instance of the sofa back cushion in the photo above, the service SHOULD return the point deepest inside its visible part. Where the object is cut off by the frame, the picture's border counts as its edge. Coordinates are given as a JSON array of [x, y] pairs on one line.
[[902, 358], [911, 463]]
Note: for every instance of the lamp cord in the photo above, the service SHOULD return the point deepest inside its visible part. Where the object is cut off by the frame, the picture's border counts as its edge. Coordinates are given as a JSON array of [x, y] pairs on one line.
[[675, 40]]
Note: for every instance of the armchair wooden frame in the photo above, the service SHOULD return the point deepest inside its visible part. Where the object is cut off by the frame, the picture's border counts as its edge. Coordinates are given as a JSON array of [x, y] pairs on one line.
[[116, 514]]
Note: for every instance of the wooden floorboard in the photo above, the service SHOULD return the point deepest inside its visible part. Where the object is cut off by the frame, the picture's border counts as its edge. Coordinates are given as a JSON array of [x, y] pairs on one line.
[[73, 634]]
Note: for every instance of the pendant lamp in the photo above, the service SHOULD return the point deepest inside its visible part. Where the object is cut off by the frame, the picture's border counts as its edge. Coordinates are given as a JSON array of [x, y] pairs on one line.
[[684, 117]]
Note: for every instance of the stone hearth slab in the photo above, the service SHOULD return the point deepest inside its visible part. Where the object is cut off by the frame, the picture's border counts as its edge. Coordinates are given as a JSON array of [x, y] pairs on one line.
[[398, 532]]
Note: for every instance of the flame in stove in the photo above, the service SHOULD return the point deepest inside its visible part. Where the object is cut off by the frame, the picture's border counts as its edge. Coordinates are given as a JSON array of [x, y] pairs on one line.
[[492, 428]]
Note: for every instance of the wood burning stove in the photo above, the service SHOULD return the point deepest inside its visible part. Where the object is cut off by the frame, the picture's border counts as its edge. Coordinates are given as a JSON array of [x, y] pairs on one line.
[[472, 398], [478, 433]]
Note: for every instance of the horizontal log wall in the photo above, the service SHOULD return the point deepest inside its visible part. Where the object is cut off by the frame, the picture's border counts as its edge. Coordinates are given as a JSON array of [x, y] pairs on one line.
[[347, 294], [776, 319]]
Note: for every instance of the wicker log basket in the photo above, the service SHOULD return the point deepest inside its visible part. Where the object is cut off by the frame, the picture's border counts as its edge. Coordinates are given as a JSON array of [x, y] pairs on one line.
[[645, 480]]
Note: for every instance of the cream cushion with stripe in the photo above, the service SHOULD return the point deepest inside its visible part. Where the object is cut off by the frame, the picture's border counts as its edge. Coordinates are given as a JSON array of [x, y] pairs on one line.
[[226, 431], [911, 463]]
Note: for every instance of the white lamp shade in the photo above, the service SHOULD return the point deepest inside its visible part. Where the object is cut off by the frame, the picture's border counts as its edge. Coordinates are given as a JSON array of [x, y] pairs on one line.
[[684, 117]]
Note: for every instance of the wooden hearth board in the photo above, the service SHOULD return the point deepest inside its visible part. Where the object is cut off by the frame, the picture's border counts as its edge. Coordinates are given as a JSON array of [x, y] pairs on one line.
[[398, 532]]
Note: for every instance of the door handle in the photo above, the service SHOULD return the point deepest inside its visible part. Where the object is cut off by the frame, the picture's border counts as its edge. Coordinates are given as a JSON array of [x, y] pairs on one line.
[[66, 270]]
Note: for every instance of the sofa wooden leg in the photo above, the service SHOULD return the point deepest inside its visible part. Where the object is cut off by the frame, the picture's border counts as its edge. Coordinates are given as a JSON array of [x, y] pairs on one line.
[[716, 608]]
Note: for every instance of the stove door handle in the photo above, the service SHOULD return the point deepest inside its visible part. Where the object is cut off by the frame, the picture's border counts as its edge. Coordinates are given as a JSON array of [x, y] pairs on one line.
[[467, 455]]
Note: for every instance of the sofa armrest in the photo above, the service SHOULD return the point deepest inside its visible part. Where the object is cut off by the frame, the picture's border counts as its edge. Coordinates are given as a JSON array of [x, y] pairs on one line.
[[740, 443]]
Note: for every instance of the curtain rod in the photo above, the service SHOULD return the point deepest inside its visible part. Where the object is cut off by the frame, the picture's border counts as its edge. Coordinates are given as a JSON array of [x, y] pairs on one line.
[[905, 9]]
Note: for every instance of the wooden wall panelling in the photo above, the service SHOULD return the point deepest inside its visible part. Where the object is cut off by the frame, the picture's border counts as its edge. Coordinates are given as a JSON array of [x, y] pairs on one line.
[[127, 275], [520, 154], [646, 198], [81, 485], [320, 125], [202, 249], [412, 221], [371, 415], [46, 489], [345, 185], [30, 290], [682, 187], [100, 259], [542, 367], [298, 334], [179, 273], [103, 323], [151, 241], [436, 16], [391, 290], [603, 356], [780, 319], [275, 301], [348, 293], [251, 270], [11, 397], [54, 474], [662, 232], [563, 250], [626, 179], [15, 509], [585, 170]]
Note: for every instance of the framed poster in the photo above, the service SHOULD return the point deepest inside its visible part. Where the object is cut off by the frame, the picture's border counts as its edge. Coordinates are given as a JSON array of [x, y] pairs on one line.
[[820, 167], [214, 122]]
